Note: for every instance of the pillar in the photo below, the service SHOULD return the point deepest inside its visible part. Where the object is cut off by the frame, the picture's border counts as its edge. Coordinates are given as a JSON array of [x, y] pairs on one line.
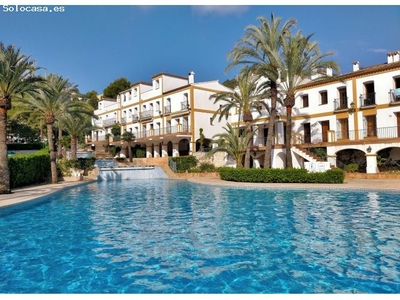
[[372, 167]]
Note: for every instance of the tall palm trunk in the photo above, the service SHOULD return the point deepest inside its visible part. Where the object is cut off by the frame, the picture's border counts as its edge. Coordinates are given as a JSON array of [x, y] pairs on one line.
[[271, 124], [59, 143], [74, 146], [53, 154], [4, 170], [247, 155], [288, 147]]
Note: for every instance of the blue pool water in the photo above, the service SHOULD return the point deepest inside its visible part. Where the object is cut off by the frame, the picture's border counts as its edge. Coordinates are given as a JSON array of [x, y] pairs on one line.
[[166, 236]]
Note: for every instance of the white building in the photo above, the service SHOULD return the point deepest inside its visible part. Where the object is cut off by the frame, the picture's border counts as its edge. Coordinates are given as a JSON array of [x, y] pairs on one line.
[[164, 115], [356, 114]]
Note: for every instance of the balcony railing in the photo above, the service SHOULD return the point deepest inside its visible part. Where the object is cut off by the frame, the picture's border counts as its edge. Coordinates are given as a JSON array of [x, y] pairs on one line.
[[340, 103], [109, 122], [123, 121], [147, 114], [185, 105], [167, 110], [162, 131], [367, 99], [377, 133], [135, 118], [394, 95]]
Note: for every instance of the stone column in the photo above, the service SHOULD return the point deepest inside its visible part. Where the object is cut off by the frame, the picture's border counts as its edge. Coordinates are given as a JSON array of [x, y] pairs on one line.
[[372, 167]]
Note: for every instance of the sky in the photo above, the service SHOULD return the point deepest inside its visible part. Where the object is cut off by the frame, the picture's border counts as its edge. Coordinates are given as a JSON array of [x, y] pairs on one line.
[[93, 45]]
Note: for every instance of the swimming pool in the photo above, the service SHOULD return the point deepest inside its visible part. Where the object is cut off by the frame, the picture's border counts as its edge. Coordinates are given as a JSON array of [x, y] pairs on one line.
[[168, 236]]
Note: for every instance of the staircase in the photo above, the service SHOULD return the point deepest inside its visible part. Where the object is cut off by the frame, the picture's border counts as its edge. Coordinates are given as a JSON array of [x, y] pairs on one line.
[[311, 157]]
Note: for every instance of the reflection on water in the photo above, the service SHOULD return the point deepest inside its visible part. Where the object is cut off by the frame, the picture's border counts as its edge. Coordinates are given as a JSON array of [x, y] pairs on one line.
[[165, 236]]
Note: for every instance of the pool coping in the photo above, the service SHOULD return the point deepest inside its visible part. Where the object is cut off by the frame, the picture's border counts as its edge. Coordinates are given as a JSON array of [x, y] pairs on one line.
[[25, 194]]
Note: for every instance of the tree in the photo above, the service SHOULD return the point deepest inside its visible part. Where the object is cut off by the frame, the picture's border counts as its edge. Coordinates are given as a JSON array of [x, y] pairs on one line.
[[116, 130], [53, 100], [259, 49], [17, 79], [300, 59], [245, 99], [233, 143], [91, 98], [115, 87], [128, 137], [75, 124]]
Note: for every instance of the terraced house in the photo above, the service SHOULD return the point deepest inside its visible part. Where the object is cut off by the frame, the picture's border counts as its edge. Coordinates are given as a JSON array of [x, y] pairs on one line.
[[352, 117], [165, 116]]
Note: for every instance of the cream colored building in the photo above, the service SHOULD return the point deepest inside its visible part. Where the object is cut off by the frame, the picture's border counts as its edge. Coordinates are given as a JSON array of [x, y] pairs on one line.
[[165, 115], [358, 111]]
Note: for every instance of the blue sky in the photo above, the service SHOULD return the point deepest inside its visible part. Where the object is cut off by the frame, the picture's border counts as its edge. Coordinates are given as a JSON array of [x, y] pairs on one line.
[[94, 45]]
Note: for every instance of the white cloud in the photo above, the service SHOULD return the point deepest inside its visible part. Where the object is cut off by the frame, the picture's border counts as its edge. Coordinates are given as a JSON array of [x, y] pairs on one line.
[[220, 9], [378, 50]]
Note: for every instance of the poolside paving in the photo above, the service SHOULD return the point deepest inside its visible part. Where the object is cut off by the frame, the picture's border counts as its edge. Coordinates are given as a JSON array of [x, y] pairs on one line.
[[20, 195]]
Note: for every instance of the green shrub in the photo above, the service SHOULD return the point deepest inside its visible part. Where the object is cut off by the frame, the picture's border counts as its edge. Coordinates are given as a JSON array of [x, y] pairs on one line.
[[351, 168], [184, 163], [207, 167], [26, 169], [84, 164], [280, 175], [140, 153]]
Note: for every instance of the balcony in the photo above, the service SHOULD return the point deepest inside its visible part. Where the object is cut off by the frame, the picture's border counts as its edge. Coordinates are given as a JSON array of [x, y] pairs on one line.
[[179, 129], [367, 99], [167, 110], [109, 122], [185, 105], [394, 95], [135, 118], [351, 135], [147, 114], [340, 104], [123, 121]]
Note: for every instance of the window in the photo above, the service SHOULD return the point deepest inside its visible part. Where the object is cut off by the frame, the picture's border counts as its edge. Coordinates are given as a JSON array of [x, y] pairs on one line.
[[305, 100], [369, 97], [135, 92], [370, 126], [397, 83], [343, 128], [323, 97], [211, 121], [342, 103]]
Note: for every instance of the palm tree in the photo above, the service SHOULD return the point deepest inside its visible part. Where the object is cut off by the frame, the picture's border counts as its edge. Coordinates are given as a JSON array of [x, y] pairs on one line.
[[17, 79], [53, 100], [75, 125], [232, 143], [300, 59], [246, 98], [259, 49], [128, 137]]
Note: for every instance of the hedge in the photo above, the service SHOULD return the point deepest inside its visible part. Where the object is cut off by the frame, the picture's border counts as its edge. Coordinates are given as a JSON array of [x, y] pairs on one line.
[[29, 169], [280, 175], [184, 163]]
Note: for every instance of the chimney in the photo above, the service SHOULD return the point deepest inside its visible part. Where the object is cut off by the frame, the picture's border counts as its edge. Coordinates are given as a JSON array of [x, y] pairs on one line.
[[191, 77], [329, 71], [356, 66], [393, 57]]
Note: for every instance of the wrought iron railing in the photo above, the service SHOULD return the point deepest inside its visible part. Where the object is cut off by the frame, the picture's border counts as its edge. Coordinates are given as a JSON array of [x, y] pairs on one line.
[[135, 118], [109, 122], [185, 105], [167, 110], [162, 131], [147, 114], [340, 103], [367, 99]]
